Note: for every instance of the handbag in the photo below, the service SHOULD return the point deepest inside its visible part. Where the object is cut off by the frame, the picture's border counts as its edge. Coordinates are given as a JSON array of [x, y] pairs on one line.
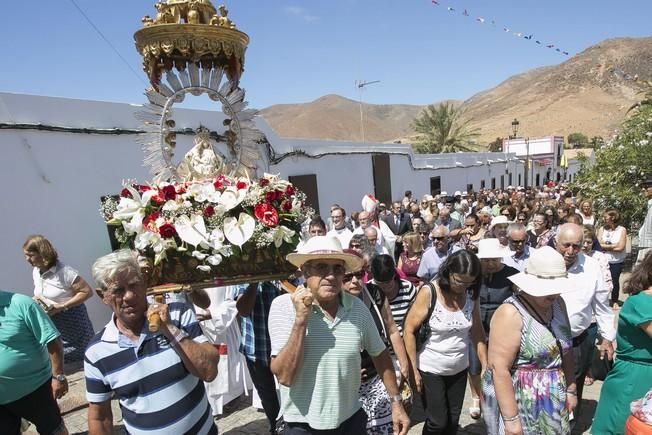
[[423, 333], [600, 368]]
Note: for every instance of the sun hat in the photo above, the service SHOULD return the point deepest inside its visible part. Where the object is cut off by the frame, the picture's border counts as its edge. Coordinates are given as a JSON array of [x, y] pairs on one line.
[[544, 275], [485, 210], [457, 193], [498, 220], [491, 248], [443, 193], [324, 248]]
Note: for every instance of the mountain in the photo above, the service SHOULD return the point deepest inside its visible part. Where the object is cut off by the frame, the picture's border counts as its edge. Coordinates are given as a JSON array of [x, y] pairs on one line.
[[338, 118], [588, 93]]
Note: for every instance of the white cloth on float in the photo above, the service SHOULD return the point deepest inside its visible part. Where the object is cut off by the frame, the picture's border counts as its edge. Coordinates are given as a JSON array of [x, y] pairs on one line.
[[222, 328]]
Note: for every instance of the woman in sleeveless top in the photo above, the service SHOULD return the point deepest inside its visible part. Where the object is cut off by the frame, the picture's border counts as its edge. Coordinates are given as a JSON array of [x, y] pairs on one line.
[[440, 368], [410, 258], [61, 292], [529, 387], [613, 240]]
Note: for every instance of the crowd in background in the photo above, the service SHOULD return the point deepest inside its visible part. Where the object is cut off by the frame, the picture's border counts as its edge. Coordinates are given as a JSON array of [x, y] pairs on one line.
[[512, 291]]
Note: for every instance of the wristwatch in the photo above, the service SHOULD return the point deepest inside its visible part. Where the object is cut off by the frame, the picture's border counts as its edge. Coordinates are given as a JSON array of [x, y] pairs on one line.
[[60, 377], [395, 398]]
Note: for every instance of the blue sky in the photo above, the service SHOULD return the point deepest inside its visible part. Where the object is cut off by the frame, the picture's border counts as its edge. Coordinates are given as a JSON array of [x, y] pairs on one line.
[[301, 50]]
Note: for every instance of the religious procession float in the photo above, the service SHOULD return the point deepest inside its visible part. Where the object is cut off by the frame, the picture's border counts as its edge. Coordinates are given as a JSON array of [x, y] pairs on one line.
[[207, 218]]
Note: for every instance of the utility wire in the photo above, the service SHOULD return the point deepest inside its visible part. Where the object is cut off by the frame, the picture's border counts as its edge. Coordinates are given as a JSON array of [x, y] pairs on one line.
[[99, 32]]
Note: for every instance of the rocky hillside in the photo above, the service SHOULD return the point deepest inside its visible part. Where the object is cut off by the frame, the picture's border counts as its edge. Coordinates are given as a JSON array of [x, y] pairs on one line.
[[589, 93]]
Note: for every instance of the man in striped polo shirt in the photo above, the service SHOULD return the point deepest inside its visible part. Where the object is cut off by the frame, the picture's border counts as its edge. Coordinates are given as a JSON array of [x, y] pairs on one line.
[[317, 334], [157, 376]]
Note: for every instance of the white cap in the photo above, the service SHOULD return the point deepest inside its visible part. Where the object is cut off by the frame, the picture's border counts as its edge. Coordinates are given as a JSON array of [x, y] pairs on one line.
[[457, 193]]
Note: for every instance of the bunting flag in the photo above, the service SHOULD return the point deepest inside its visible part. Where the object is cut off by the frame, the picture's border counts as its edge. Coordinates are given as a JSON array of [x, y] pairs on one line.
[[523, 35]]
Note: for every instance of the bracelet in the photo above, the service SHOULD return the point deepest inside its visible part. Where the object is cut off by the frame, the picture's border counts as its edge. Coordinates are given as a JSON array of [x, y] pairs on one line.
[[572, 393], [516, 417]]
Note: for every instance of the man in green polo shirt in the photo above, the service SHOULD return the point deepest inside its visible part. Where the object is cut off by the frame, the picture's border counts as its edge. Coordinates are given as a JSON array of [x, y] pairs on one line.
[[316, 335], [31, 367]]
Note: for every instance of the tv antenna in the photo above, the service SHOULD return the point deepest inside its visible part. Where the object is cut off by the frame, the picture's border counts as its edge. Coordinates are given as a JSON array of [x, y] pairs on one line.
[[360, 84]]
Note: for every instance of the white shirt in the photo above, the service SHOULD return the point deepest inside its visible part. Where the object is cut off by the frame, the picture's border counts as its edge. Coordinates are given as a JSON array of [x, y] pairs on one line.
[[589, 297], [55, 284], [344, 236], [517, 263]]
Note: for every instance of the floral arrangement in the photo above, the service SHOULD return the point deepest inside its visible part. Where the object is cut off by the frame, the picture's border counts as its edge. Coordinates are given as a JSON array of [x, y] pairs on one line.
[[208, 222]]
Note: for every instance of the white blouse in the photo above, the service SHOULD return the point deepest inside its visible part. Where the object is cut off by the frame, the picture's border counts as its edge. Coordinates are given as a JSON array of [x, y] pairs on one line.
[[55, 284]]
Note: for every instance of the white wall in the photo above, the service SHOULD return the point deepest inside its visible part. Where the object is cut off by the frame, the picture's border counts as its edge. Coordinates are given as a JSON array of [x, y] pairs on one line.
[[53, 181]]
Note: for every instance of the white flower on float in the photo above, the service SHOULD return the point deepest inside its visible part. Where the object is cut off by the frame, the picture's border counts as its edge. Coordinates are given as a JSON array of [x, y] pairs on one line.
[[231, 197], [238, 231], [191, 230], [204, 268], [135, 224], [214, 259], [171, 205], [216, 239], [199, 255], [281, 234]]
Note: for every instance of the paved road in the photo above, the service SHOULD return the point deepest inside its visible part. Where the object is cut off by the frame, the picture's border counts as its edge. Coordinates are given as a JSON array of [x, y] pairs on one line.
[[242, 419]]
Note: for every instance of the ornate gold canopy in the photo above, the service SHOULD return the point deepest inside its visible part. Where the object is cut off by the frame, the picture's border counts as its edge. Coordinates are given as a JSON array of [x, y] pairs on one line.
[[190, 31]]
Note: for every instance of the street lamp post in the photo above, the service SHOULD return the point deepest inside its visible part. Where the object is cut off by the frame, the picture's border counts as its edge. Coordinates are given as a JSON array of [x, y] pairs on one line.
[[515, 126]]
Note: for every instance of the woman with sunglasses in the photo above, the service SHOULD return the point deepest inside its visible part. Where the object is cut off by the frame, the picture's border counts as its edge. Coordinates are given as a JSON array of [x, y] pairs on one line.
[[373, 395], [440, 368]]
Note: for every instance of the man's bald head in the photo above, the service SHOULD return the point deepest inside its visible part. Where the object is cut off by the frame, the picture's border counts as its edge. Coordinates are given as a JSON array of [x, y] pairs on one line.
[[569, 242], [364, 218]]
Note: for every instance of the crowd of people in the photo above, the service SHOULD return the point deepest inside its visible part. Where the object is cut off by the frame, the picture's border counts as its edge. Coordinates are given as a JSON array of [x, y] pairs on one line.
[[514, 292]]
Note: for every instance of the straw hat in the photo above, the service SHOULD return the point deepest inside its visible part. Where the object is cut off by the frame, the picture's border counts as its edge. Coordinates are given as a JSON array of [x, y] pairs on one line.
[[545, 274], [324, 248], [491, 248]]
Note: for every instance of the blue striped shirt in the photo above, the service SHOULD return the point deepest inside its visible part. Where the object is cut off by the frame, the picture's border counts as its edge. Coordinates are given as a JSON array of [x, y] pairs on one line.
[[156, 392]]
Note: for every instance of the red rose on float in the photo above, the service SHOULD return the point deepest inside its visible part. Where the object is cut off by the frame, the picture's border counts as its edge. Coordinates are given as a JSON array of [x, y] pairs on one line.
[[158, 199], [287, 205], [218, 184], [142, 188], [241, 185], [209, 211], [266, 214], [150, 218], [270, 196], [168, 192], [289, 191], [167, 231], [181, 189], [125, 193], [278, 194], [263, 182]]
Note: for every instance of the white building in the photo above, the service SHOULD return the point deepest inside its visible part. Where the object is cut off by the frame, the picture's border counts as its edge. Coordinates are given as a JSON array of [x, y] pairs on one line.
[[60, 156]]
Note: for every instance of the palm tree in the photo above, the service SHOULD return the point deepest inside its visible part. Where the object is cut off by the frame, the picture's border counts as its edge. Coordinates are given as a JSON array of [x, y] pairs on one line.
[[440, 129]]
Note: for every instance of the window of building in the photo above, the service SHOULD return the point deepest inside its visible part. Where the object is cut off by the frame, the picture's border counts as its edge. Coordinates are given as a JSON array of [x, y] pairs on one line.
[[482, 184]]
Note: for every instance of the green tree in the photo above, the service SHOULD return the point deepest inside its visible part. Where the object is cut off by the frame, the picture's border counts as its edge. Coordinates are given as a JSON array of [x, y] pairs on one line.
[[614, 179], [578, 140], [441, 129]]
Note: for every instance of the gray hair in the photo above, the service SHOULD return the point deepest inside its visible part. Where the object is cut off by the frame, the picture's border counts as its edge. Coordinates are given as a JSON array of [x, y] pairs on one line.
[[515, 226], [106, 268], [440, 229]]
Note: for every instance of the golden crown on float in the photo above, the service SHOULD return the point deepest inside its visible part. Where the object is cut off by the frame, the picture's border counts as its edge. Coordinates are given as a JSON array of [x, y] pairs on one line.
[[210, 217], [190, 31]]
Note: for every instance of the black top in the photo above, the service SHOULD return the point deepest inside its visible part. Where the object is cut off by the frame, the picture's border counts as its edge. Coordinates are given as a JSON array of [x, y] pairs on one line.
[[494, 290]]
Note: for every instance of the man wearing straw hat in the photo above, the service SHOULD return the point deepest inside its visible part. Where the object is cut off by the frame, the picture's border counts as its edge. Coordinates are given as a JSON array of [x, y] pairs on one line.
[[317, 334]]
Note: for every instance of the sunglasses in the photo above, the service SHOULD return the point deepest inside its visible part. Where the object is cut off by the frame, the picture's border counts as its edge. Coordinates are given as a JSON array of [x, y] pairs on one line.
[[438, 238], [355, 245], [517, 242], [323, 269], [348, 277]]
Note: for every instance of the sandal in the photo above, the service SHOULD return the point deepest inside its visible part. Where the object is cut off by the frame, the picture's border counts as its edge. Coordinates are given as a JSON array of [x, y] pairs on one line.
[[474, 411]]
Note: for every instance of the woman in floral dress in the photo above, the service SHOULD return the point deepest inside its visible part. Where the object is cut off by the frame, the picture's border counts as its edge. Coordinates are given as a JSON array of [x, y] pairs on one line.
[[525, 389]]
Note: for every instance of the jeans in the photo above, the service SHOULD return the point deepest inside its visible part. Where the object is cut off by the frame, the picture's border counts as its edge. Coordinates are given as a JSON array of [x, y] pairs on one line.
[[263, 379], [443, 398], [616, 269]]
